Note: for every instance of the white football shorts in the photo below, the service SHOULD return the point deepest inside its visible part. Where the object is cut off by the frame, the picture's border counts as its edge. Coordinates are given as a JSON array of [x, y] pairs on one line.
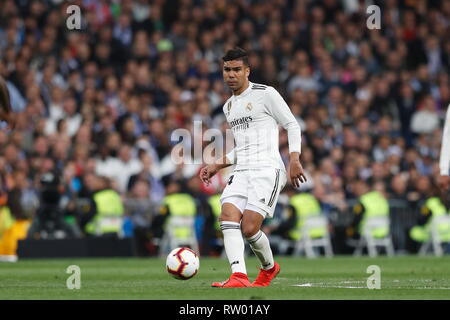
[[255, 190]]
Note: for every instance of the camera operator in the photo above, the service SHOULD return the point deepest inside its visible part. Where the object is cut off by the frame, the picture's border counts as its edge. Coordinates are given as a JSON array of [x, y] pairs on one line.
[[49, 221]]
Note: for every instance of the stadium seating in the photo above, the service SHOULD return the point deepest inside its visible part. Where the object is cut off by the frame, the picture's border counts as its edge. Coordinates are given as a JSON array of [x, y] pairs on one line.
[[370, 241], [307, 243], [436, 239], [173, 239]]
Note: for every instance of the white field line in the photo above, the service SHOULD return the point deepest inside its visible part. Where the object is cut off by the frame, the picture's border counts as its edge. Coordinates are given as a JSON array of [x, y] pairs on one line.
[[342, 284]]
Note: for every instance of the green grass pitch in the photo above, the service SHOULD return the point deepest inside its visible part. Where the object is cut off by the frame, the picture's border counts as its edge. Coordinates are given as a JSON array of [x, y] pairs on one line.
[[406, 277]]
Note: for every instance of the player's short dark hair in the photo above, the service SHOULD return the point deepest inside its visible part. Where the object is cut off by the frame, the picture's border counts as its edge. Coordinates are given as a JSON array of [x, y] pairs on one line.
[[236, 54]]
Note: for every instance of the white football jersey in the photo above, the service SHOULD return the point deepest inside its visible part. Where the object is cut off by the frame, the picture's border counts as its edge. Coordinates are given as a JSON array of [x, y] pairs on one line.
[[254, 116]]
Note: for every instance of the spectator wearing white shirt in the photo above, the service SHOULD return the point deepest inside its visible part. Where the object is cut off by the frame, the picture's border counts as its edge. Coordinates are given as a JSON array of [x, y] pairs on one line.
[[122, 168], [72, 116], [425, 120]]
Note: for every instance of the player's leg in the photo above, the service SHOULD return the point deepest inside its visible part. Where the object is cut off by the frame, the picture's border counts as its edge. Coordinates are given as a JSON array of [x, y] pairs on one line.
[[260, 245], [234, 200], [263, 195], [230, 219], [230, 224], [257, 239]]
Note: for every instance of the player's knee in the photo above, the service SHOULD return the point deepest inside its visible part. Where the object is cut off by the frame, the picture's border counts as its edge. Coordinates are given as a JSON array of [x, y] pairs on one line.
[[230, 213], [228, 216], [249, 229]]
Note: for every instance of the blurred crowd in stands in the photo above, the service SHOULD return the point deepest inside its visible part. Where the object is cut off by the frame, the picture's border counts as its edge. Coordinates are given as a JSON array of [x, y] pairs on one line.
[[96, 107]]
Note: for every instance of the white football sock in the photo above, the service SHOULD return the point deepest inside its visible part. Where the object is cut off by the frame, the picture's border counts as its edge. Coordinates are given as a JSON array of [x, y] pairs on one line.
[[234, 245], [261, 247]]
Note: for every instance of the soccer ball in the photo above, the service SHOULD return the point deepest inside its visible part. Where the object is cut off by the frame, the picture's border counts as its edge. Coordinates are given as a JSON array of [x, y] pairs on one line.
[[182, 263]]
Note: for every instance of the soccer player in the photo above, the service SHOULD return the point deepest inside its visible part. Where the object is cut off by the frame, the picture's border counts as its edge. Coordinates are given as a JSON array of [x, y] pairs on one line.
[[5, 105], [253, 112], [444, 160]]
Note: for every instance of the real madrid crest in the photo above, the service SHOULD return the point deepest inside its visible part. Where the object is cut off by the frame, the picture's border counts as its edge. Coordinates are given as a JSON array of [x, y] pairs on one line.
[[249, 106]]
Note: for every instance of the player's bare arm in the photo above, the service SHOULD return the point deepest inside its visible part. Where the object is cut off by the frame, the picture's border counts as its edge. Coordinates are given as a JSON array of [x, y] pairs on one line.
[[207, 172], [296, 172], [5, 105]]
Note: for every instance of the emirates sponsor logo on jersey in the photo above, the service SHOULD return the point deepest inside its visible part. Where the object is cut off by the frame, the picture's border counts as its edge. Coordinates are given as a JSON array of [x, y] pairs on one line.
[[241, 123]]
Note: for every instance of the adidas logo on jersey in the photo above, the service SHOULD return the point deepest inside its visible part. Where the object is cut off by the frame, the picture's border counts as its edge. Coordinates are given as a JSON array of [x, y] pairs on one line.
[[263, 200]]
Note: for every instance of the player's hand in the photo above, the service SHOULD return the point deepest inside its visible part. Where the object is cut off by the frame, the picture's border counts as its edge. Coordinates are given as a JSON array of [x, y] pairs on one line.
[[206, 173], [296, 173], [444, 182]]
